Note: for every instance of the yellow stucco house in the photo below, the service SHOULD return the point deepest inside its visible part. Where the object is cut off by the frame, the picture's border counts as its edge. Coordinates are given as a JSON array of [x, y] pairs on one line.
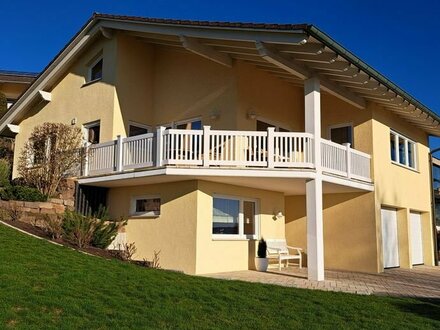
[[208, 136]]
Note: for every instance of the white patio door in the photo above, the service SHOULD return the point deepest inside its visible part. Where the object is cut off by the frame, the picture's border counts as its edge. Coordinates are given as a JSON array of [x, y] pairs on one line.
[[416, 239], [390, 243]]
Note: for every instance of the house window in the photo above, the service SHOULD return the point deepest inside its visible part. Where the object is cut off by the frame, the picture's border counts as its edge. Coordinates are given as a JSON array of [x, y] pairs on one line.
[[234, 217], [263, 126], [95, 71], [146, 206], [135, 129], [403, 150], [341, 134], [92, 132], [189, 124]]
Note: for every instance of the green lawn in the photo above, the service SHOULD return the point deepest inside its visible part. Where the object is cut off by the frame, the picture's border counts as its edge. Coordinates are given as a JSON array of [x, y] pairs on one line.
[[47, 286]]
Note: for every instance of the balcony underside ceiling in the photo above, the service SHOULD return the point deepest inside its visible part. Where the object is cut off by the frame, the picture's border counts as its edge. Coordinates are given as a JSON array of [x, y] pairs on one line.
[[291, 184], [298, 61]]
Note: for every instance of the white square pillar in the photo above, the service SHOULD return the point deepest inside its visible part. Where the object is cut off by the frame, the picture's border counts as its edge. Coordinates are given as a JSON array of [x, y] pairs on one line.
[[315, 228]]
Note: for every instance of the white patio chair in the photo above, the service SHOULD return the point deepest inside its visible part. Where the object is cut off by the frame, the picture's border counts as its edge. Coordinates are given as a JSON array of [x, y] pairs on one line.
[[278, 249]]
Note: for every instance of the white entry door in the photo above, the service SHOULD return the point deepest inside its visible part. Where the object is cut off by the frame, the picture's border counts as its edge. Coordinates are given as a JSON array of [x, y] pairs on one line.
[[390, 243], [416, 239]]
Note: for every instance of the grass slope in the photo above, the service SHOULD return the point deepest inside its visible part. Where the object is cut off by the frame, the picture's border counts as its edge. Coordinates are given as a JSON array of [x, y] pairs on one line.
[[47, 286]]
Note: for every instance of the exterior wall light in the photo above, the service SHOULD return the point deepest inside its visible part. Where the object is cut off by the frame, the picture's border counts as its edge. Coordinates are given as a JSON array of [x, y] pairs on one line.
[[278, 215], [252, 115]]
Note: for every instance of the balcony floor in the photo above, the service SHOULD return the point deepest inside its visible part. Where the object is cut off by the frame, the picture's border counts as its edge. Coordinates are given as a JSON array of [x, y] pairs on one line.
[[287, 181]]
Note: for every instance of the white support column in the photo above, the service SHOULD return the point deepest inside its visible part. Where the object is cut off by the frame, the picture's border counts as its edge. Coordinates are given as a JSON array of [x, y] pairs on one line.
[[312, 105], [315, 228], [159, 146], [119, 154]]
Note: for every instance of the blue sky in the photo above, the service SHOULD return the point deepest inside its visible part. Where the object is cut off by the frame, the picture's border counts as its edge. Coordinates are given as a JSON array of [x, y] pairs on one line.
[[398, 38]]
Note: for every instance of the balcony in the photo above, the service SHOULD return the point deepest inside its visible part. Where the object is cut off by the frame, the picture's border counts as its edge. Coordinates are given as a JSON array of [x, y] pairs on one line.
[[225, 150]]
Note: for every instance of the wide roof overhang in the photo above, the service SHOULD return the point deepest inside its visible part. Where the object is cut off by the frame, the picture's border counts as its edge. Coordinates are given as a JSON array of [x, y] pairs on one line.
[[291, 52]]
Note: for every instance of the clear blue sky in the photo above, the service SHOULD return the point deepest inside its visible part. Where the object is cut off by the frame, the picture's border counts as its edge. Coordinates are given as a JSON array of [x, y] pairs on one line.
[[398, 38]]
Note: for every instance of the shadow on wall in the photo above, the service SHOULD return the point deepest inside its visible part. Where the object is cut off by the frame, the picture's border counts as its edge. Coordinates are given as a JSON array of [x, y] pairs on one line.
[[349, 230]]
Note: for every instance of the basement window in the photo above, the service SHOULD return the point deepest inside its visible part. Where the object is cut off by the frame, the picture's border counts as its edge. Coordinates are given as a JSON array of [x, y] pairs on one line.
[[403, 150], [145, 206]]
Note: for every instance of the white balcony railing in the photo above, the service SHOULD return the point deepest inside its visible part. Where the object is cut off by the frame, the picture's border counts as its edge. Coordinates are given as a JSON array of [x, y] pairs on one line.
[[221, 148]]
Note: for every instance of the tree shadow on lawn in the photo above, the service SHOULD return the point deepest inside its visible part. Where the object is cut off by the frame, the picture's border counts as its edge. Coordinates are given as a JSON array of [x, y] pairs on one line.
[[424, 307]]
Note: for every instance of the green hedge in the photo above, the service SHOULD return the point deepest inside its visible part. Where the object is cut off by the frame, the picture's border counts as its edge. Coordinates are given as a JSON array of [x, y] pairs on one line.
[[22, 193]]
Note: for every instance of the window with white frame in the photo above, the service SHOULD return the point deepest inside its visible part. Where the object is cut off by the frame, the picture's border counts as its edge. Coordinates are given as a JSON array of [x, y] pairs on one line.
[[135, 129], [403, 150], [146, 206], [92, 132], [193, 123], [263, 125], [342, 133], [234, 217], [96, 69]]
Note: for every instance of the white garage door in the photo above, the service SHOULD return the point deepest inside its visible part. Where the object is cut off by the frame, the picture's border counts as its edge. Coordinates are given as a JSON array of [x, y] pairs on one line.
[[416, 239], [390, 244]]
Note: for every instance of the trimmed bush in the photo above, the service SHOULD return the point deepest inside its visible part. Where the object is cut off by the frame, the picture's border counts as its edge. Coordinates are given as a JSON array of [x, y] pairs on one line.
[[262, 248], [22, 193]]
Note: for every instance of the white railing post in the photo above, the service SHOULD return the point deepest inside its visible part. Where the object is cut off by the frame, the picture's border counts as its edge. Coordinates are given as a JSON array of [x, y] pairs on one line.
[[159, 146], [86, 159], [270, 146], [206, 137], [119, 154], [348, 159]]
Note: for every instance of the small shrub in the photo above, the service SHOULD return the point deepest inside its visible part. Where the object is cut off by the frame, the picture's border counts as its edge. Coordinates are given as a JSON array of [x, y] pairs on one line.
[[53, 226], [155, 262], [97, 230], [126, 251], [262, 248], [5, 172], [105, 228], [77, 228], [22, 193], [105, 232]]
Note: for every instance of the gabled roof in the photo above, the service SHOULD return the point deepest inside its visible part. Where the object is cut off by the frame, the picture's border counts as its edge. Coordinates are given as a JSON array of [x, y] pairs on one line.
[[292, 52]]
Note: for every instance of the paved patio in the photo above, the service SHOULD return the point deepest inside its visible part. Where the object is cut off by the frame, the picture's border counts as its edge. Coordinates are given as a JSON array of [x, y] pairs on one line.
[[422, 281]]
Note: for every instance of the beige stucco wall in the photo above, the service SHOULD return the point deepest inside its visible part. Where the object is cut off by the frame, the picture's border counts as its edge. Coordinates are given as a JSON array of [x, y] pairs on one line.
[[183, 231], [349, 230], [399, 187], [173, 233], [233, 255], [72, 98]]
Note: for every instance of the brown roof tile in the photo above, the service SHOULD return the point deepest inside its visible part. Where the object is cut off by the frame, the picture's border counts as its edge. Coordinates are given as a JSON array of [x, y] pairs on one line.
[[239, 25]]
